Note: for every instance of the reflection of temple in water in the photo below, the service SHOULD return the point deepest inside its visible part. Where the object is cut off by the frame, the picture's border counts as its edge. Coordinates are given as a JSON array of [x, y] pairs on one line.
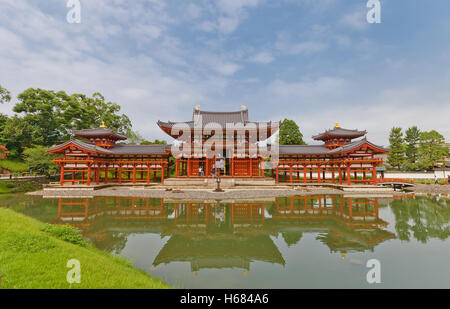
[[227, 235]]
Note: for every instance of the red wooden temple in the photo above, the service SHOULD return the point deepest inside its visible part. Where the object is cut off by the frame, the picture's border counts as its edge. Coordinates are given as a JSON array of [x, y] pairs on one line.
[[339, 160], [228, 161], [97, 157]]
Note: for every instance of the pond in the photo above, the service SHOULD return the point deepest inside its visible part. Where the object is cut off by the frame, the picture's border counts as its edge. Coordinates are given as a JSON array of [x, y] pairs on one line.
[[292, 242]]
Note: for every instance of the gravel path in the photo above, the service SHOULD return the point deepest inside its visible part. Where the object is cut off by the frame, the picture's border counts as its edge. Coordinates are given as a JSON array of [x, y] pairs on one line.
[[431, 189]]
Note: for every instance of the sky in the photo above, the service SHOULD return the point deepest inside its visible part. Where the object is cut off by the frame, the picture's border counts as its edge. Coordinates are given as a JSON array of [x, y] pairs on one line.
[[317, 62]]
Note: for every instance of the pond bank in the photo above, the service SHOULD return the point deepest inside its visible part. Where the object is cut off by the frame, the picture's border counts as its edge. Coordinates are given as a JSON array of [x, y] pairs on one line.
[[207, 193], [30, 257]]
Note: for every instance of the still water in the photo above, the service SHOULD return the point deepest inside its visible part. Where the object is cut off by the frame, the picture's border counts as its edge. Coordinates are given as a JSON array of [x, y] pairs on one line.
[[293, 242]]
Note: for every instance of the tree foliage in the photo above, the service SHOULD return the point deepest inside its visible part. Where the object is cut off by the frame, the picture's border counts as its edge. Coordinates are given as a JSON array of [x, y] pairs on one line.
[[396, 156], [54, 114], [412, 138], [5, 95], [431, 149], [40, 160], [290, 133]]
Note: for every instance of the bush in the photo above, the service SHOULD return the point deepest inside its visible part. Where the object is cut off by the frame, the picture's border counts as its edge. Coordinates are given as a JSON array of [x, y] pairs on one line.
[[67, 233]]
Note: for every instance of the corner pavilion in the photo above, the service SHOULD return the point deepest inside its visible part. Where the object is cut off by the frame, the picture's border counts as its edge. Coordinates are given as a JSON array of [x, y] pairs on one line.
[[94, 156]]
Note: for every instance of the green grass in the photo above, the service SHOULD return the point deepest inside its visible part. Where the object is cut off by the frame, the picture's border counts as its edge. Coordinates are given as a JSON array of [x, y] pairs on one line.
[[7, 186], [14, 165], [35, 255]]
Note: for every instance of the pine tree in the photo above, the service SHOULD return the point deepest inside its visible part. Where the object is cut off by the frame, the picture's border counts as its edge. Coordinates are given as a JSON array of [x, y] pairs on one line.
[[431, 149], [396, 157], [412, 138]]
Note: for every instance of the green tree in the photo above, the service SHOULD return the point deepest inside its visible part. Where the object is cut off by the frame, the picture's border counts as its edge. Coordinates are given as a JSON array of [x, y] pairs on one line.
[[431, 149], [40, 160], [54, 114], [5, 95], [412, 138], [155, 142], [290, 133], [16, 135], [396, 156]]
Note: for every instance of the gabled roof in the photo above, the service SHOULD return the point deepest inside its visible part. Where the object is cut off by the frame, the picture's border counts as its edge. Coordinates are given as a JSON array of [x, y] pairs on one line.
[[339, 132], [90, 147], [100, 132], [116, 150], [221, 118], [303, 149], [322, 150], [140, 149], [356, 144]]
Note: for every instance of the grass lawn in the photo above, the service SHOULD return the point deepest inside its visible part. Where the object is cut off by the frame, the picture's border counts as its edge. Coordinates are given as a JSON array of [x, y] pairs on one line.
[[35, 255]]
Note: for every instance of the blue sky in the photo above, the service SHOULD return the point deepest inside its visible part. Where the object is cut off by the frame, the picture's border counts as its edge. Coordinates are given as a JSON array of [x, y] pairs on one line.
[[315, 61]]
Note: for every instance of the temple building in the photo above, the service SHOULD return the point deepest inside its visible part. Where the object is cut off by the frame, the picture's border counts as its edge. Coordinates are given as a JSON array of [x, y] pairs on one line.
[[217, 143]]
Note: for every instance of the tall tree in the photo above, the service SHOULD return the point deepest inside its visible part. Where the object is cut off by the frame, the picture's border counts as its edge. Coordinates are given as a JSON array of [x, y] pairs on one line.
[[5, 95], [431, 149], [290, 133], [54, 114], [396, 156], [17, 134], [412, 138]]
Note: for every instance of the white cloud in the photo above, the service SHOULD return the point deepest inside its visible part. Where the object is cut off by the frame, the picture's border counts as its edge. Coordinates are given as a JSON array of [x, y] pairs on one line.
[[287, 45], [356, 19], [262, 57]]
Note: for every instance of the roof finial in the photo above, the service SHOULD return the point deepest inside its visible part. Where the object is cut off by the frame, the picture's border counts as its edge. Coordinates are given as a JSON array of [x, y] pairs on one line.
[[103, 125], [337, 125], [197, 107], [243, 107]]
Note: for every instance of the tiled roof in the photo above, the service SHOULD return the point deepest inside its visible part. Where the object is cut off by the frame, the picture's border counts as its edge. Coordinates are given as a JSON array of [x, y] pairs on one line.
[[139, 149], [303, 149], [319, 149], [340, 132], [99, 132], [221, 118], [82, 144]]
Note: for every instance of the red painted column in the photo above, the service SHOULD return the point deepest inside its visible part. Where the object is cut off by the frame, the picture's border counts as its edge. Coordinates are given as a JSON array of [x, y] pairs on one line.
[[374, 173], [304, 174], [162, 174], [277, 174], [89, 175], [62, 175], [318, 173], [134, 173], [348, 175], [120, 174]]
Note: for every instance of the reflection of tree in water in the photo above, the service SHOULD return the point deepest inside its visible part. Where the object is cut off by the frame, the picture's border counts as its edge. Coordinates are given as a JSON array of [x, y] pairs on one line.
[[292, 238], [422, 218], [112, 242]]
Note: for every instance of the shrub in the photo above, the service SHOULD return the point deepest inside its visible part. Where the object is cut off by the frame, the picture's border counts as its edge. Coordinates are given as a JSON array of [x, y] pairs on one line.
[[67, 233]]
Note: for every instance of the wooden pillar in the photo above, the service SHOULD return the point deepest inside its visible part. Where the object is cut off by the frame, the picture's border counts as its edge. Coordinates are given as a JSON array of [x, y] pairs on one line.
[[304, 173], [374, 174], [318, 173], [162, 174], [73, 177], [340, 175], [348, 175], [120, 173], [332, 174], [61, 180], [148, 173], [290, 173], [106, 174], [277, 174], [134, 173], [89, 175]]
